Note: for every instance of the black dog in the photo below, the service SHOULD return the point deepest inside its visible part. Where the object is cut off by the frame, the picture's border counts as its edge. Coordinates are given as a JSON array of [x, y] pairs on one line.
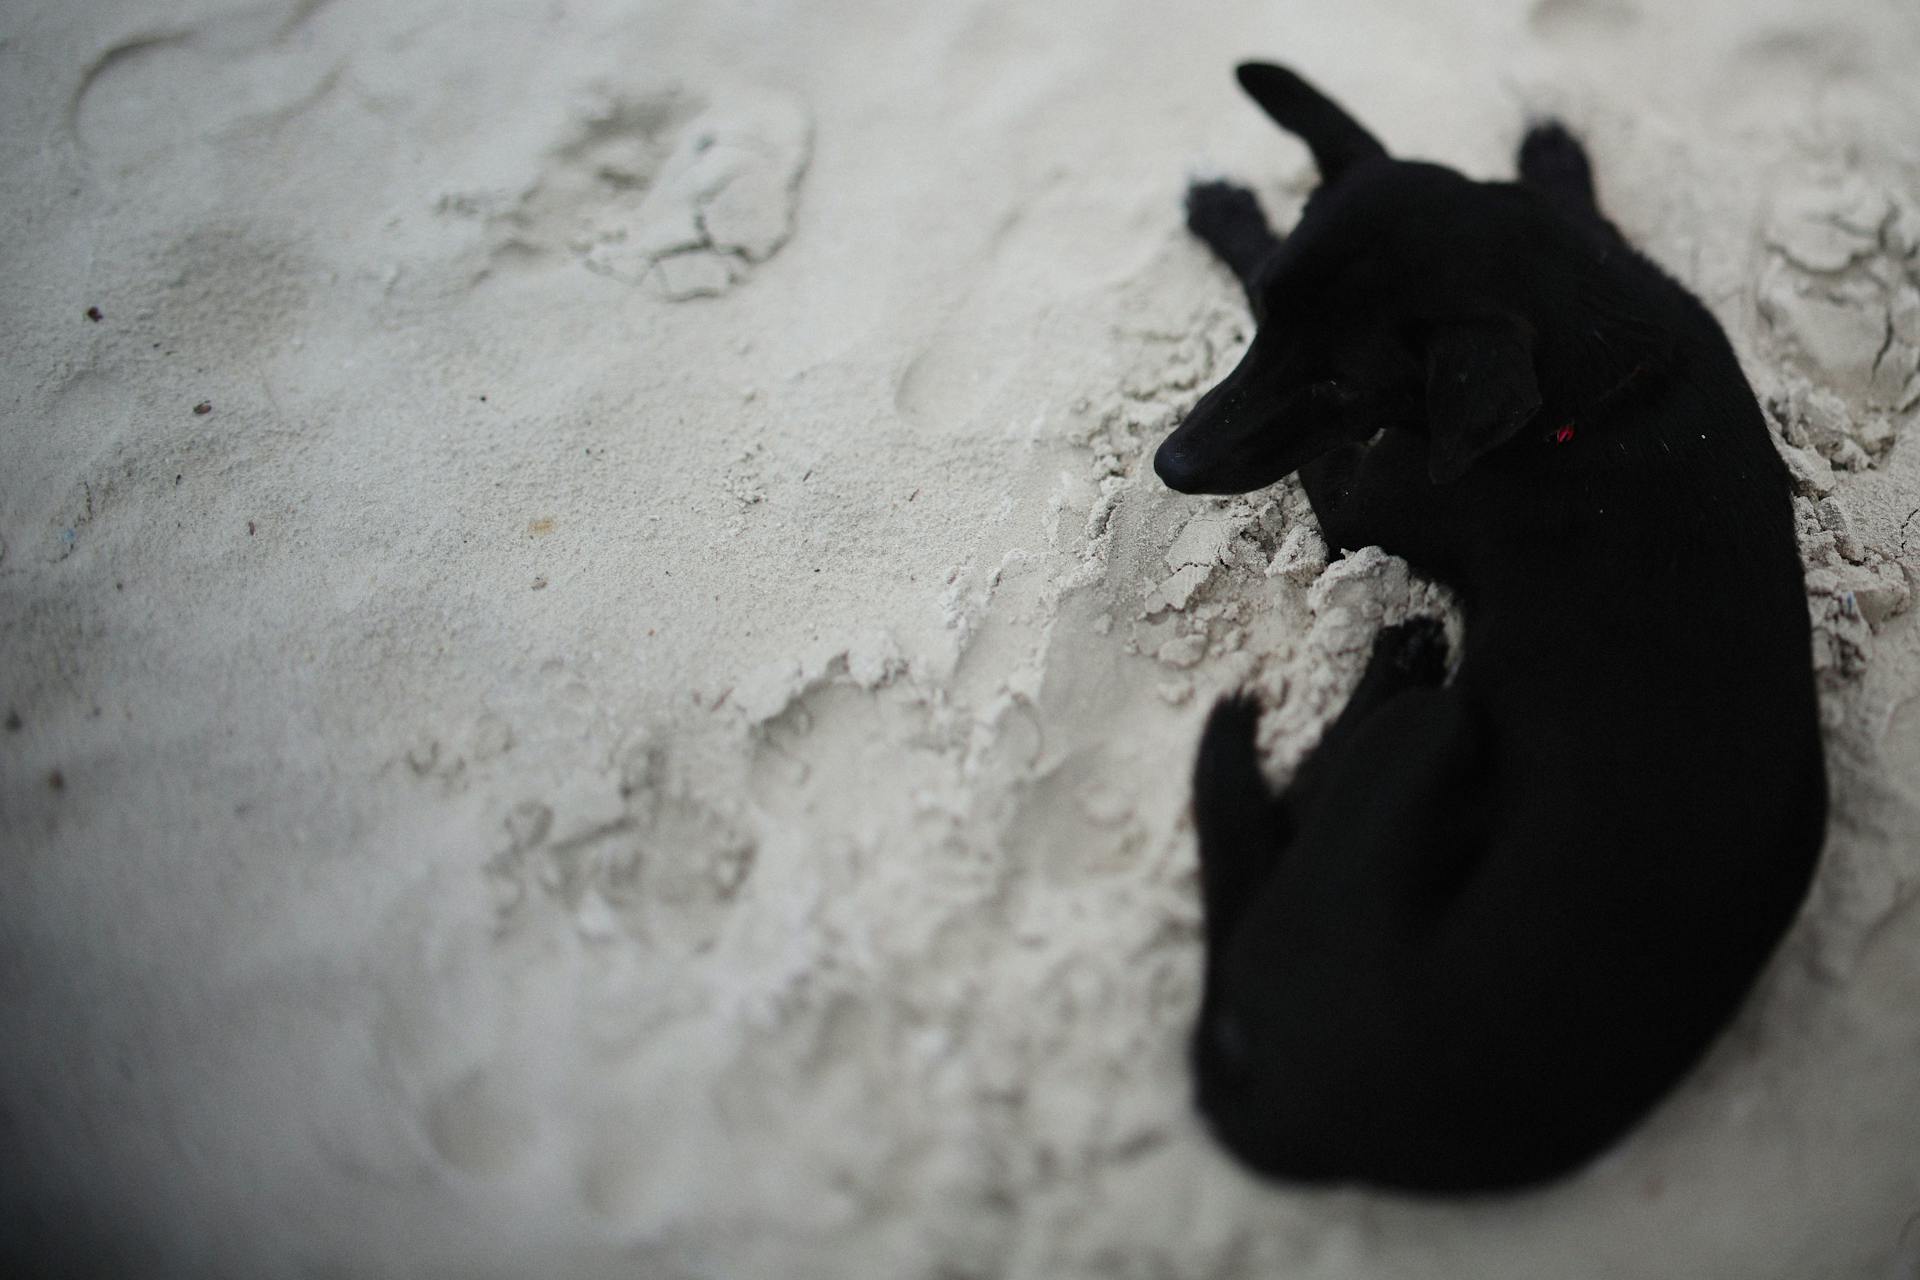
[[1494, 918]]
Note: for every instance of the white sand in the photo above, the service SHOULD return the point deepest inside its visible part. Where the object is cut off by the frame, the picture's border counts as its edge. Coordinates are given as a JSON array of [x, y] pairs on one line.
[[645, 732]]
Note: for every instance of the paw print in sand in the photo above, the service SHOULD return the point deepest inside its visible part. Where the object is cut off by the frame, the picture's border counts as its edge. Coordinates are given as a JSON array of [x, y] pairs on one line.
[[650, 863], [722, 201], [677, 192], [1841, 289]]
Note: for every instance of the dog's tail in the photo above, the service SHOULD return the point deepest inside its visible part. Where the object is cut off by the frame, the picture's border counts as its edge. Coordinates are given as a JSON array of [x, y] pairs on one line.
[[1242, 824]]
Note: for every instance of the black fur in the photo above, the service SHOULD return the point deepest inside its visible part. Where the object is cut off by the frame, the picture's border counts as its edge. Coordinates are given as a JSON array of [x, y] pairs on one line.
[[1494, 919]]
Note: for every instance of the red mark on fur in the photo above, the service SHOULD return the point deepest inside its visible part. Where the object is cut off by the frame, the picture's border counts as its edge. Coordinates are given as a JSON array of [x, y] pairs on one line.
[[1564, 434]]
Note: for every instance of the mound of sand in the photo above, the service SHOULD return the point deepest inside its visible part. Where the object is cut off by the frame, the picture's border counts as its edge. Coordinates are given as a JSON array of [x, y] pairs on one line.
[[597, 682]]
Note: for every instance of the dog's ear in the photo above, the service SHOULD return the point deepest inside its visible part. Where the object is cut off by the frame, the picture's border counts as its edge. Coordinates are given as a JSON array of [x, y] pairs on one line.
[[1336, 139], [1481, 389]]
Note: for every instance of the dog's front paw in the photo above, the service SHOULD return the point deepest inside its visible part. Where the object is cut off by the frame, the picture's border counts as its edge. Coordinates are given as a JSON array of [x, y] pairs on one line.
[[1217, 208]]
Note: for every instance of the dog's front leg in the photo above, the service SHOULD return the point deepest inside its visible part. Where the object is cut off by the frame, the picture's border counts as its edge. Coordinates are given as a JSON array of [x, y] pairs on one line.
[[1228, 218], [1329, 481], [1380, 495]]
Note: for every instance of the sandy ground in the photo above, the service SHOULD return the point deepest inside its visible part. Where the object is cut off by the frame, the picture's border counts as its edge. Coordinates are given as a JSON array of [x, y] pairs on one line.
[[642, 730]]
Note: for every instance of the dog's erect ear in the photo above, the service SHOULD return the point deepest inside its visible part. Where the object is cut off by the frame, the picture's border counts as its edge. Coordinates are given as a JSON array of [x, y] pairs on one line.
[[1336, 139], [1481, 390]]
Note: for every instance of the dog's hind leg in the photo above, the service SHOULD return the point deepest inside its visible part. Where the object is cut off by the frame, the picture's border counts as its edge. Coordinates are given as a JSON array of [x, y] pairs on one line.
[[1407, 655], [1228, 218], [1243, 826]]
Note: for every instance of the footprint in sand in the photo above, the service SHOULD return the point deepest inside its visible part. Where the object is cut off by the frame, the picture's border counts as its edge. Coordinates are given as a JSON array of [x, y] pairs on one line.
[[1807, 60], [640, 859], [1052, 246], [477, 1125], [1900, 746], [68, 477], [1840, 288], [138, 100], [679, 192], [1571, 20]]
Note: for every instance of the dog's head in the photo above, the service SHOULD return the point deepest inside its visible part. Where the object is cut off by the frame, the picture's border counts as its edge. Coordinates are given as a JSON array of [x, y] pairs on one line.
[[1407, 296]]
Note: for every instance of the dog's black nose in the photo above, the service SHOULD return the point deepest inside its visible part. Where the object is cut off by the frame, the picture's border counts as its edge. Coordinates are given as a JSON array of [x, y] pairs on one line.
[[1176, 468]]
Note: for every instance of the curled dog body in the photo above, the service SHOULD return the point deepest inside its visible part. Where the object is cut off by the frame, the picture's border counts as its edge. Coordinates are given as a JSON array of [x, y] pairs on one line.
[[1500, 911]]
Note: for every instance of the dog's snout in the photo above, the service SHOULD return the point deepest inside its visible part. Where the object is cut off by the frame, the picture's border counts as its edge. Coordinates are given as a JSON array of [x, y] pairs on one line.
[[1176, 466]]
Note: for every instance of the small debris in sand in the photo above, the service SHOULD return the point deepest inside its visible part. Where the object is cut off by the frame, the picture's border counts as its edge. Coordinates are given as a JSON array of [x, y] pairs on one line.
[[57, 780], [204, 408], [528, 823], [1184, 651], [1302, 555], [13, 721], [1176, 591], [539, 584], [94, 314]]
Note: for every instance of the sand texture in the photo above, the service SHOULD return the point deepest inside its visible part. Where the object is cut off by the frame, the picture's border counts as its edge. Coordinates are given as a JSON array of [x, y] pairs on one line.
[[597, 682]]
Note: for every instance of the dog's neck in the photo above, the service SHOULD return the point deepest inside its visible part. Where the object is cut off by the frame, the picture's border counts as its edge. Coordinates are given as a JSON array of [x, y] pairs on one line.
[[1564, 418]]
